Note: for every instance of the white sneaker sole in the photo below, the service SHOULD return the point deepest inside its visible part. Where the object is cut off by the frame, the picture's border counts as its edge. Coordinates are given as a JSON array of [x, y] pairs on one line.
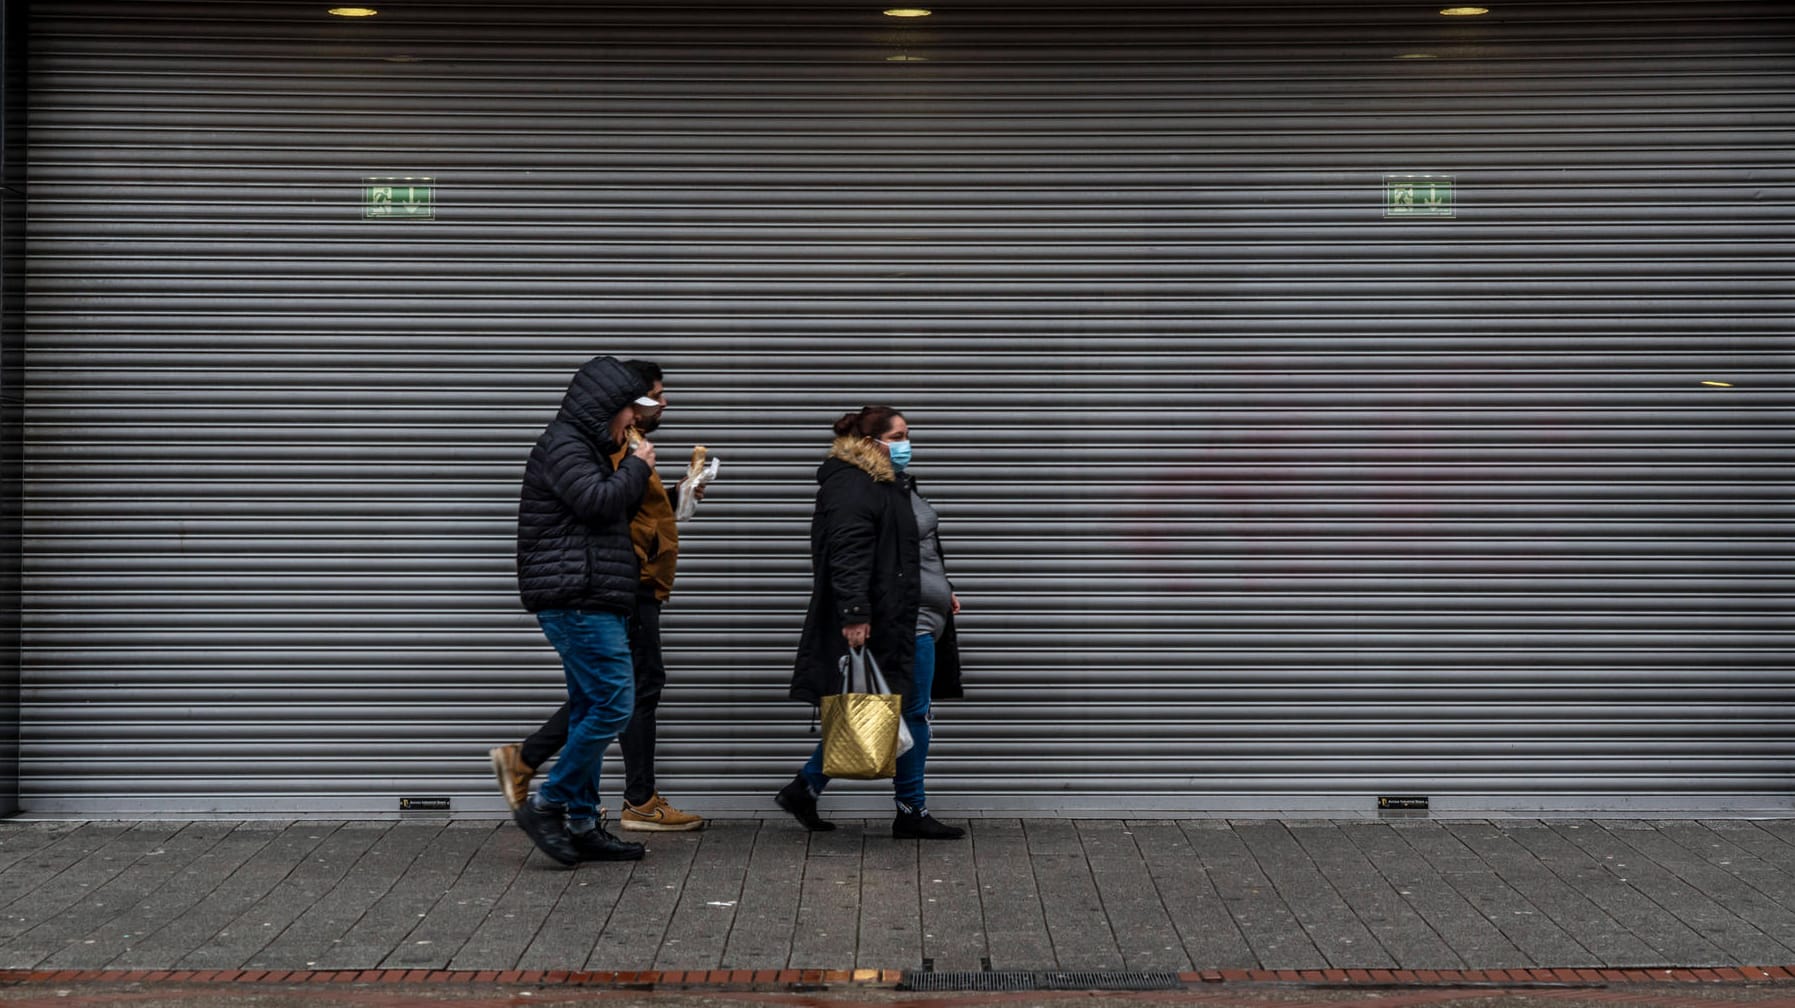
[[649, 826]]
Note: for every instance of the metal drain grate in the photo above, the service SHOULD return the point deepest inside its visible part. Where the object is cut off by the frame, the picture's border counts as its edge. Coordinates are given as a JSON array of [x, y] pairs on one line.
[[1027, 980]]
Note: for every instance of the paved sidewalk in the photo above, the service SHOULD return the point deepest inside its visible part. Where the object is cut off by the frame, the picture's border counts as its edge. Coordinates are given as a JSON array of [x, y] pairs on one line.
[[1065, 894]]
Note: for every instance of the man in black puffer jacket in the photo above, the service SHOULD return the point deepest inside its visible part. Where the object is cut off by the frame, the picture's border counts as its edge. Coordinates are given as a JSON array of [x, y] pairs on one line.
[[577, 571]]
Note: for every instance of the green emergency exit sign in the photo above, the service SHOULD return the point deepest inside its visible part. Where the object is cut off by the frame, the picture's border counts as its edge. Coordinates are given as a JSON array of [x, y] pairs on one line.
[[1419, 196], [399, 198]]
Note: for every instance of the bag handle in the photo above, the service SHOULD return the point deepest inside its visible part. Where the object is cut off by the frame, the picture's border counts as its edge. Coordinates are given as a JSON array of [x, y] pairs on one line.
[[860, 669]]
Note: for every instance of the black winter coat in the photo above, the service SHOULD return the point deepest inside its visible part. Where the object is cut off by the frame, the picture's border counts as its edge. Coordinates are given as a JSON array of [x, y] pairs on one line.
[[573, 519], [865, 568]]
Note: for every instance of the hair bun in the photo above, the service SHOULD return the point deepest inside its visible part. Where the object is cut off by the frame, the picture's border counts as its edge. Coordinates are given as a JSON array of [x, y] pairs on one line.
[[846, 425]]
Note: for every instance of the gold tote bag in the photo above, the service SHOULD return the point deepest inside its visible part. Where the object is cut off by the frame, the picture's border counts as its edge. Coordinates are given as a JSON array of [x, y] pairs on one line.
[[863, 725]]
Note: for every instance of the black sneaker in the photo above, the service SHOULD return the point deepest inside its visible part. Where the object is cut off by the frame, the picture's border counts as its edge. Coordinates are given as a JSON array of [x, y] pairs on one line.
[[547, 830], [597, 845], [911, 826], [797, 799]]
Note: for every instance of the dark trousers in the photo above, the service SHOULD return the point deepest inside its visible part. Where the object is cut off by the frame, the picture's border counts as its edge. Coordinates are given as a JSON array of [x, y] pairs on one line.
[[637, 740]]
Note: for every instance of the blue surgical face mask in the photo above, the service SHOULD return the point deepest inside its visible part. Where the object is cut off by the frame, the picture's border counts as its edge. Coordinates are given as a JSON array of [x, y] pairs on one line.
[[900, 453]]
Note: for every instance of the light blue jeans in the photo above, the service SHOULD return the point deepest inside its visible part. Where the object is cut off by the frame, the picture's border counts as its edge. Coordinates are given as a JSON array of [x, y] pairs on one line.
[[907, 787], [601, 694]]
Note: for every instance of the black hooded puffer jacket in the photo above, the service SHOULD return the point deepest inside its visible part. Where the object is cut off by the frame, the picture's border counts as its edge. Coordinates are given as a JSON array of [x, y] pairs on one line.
[[573, 539]]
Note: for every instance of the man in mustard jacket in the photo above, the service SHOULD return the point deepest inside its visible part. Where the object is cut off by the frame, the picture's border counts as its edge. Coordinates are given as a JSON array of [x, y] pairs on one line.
[[655, 534]]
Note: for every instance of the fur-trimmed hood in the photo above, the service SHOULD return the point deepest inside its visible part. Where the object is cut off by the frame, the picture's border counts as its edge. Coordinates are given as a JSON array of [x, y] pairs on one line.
[[857, 453]]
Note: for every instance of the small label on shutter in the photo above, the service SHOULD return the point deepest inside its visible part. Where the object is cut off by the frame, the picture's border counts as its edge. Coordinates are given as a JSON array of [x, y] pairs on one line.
[[1408, 802], [432, 803]]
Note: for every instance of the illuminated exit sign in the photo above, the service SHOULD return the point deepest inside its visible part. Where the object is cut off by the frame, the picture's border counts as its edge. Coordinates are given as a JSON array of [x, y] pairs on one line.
[[399, 198], [1419, 196]]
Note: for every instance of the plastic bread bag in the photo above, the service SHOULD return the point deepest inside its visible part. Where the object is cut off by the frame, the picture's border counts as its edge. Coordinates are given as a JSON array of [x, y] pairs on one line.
[[699, 473]]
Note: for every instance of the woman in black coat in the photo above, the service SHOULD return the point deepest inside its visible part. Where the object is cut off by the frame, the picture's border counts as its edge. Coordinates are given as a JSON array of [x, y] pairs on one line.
[[877, 580]]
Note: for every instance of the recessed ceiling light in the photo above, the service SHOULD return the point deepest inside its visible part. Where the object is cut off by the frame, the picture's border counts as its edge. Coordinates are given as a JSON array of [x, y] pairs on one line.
[[1465, 11], [908, 12], [354, 11]]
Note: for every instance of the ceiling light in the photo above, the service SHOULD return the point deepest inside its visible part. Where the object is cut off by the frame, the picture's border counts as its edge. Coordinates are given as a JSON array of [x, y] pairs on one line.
[[1465, 11], [908, 12]]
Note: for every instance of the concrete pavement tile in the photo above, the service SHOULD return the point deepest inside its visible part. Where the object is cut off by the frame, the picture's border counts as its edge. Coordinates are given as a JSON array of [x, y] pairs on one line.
[[159, 890], [1205, 929], [890, 899], [64, 876], [1417, 879], [439, 858], [334, 851], [1015, 922], [1329, 922], [765, 919], [1268, 924], [439, 937], [1583, 857], [1139, 922], [953, 927], [310, 937], [1735, 915], [20, 840], [644, 909], [512, 934], [705, 913], [827, 931], [266, 859], [1502, 896], [1403, 935]]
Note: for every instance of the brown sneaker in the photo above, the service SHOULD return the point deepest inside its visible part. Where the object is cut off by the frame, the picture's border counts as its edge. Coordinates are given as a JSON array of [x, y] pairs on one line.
[[656, 816], [513, 773]]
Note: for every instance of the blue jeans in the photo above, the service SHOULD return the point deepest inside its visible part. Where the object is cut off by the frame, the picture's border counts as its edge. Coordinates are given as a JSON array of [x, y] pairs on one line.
[[601, 692], [907, 786]]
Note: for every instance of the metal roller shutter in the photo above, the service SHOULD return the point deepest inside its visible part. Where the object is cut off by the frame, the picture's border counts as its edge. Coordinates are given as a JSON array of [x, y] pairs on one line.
[[1258, 498]]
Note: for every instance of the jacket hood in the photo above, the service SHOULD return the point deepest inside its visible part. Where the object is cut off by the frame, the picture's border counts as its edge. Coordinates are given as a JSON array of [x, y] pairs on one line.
[[857, 453], [600, 389]]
